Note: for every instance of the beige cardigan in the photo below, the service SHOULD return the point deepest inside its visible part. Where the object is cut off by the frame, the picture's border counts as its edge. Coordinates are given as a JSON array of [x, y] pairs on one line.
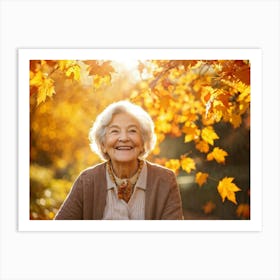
[[87, 198]]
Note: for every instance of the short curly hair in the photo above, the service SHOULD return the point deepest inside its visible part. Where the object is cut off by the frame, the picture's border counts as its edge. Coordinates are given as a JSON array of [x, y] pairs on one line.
[[98, 129]]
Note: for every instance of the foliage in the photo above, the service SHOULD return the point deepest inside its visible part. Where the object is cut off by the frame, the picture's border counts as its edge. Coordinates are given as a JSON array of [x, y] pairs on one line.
[[189, 100]]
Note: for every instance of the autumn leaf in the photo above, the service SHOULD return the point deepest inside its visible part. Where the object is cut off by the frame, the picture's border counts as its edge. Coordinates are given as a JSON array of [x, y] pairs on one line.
[[36, 79], [164, 101], [208, 207], [243, 211], [44, 86], [70, 68], [44, 90], [202, 146], [201, 178], [99, 81], [208, 134], [97, 68], [73, 72], [188, 164], [235, 120], [191, 132], [64, 64], [217, 154], [173, 164], [227, 189]]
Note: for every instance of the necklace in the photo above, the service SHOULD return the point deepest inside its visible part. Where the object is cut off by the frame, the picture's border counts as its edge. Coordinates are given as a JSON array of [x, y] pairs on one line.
[[124, 186]]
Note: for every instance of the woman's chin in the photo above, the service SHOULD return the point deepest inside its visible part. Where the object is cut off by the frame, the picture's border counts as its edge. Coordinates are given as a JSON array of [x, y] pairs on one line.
[[125, 159]]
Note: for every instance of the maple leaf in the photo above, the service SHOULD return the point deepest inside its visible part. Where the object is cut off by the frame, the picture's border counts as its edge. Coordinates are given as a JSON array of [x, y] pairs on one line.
[[36, 79], [173, 164], [65, 64], [45, 89], [243, 211], [227, 189], [97, 68], [202, 146], [164, 101], [201, 178], [208, 207], [208, 134], [191, 132], [73, 72], [217, 154], [99, 81], [224, 99], [188, 164], [235, 120]]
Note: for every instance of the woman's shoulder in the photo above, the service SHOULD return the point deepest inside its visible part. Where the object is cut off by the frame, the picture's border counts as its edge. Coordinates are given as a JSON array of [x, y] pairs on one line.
[[93, 170], [156, 168]]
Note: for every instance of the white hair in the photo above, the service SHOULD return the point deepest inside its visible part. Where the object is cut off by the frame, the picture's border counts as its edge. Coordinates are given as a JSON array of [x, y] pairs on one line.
[[98, 130]]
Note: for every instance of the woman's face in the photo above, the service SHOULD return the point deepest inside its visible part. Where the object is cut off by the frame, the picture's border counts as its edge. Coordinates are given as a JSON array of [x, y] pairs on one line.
[[123, 139]]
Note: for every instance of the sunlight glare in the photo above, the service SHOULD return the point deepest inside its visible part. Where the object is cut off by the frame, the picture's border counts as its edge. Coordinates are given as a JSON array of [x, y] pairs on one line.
[[130, 66]]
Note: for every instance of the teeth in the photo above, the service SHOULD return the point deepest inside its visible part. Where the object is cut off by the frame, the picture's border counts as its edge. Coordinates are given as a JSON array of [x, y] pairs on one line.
[[124, 148]]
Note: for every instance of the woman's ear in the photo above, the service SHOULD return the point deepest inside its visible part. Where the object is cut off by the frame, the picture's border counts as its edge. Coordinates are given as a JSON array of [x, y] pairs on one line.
[[103, 148]]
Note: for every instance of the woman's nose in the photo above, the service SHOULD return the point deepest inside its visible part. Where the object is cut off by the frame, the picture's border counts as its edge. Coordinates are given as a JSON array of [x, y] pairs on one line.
[[123, 136]]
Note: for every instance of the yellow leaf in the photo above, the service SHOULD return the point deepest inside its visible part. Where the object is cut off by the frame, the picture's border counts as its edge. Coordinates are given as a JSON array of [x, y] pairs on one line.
[[208, 207], [202, 146], [201, 178], [188, 164], [217, 154], [208, 134], [173, 164], [44, 90], [227, 189], [73, 72], [36, 79], [235, 120], [99, 81], [191, 132], [65, 64]]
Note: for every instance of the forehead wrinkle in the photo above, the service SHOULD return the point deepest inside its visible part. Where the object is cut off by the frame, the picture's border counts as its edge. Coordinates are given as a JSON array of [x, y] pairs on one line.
[[128, 126]]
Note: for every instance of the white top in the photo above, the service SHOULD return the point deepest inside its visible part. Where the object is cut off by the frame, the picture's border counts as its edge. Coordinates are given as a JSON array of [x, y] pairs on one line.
[[118, 209]]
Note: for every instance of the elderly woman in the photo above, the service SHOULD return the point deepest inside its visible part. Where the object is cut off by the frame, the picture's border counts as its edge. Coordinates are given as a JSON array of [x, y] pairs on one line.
[[125, 186]]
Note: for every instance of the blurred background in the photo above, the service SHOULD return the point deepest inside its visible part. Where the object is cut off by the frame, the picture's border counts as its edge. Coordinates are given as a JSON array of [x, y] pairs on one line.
[[201, 111]]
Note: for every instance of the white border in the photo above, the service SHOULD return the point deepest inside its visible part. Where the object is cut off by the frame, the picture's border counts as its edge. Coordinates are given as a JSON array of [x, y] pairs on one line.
[[254, 224]]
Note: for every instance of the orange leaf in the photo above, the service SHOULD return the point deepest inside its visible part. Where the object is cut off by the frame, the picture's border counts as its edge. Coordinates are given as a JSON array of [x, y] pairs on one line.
[[243, 211], [208, 134], [202, 146], [208, 207], [227, 189], [164, 101], [191, 132], [188, 164], [101, 69], [235, 120], [217, 154], [201, 178]]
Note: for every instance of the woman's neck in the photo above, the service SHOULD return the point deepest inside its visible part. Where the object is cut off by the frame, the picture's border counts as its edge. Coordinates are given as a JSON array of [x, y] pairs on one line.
[[125, 170]]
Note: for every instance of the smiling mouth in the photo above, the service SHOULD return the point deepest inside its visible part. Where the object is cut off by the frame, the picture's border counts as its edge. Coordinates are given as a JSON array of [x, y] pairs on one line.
[[124, 148]]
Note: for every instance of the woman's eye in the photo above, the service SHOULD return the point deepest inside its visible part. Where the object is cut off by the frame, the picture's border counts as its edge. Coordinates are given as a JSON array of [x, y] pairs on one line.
[[114, 131], [132, 130]]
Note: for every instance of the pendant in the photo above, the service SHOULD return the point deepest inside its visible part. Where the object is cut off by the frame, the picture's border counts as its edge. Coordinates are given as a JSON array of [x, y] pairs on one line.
[[124, 191]]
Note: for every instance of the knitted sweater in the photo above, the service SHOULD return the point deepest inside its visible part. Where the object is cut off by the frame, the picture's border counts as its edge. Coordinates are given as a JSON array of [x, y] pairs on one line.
[[87, 198]]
